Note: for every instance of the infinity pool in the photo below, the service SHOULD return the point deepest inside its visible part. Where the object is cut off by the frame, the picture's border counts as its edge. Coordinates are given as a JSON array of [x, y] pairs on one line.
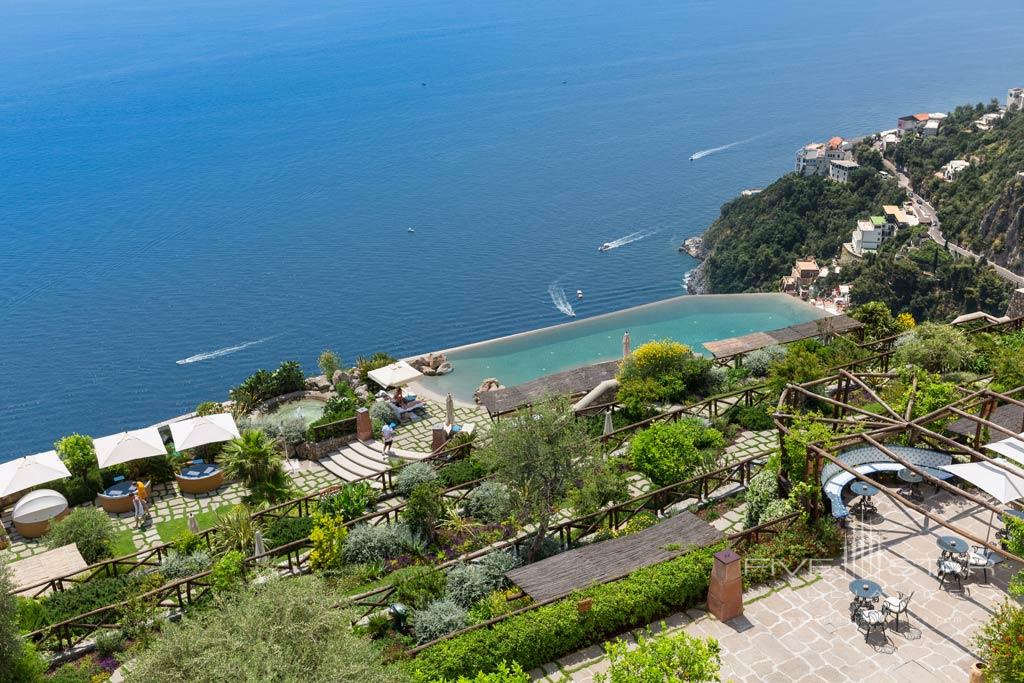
[[689, 319]]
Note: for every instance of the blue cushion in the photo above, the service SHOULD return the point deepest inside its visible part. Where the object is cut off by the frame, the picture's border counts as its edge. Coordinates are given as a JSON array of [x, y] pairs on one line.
[[119, 477]]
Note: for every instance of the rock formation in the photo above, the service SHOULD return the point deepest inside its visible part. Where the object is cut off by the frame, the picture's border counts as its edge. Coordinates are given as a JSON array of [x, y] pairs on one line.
[[489, 384]]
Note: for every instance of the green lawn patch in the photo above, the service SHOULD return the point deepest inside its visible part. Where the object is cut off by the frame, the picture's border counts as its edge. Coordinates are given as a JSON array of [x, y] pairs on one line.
[[122, 543], [174, 527]]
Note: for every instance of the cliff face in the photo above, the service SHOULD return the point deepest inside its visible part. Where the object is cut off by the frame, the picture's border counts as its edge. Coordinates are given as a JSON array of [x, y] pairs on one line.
[[1001, 234]]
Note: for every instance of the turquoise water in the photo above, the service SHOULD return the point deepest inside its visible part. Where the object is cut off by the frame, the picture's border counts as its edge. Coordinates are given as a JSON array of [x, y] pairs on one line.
[[306, 409], [691, 320]]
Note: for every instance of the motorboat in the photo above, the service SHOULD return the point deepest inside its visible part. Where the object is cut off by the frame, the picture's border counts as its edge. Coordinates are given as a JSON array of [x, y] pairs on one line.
[[579, 293], [411, 230], [607, 246]]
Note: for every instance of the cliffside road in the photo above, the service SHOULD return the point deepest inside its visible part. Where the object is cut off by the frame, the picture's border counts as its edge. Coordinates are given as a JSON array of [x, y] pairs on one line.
[[926, 212]]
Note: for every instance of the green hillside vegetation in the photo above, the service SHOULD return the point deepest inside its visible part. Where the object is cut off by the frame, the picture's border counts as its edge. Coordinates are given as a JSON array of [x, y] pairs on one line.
[[755, 240], [925, 280], [995, 156]]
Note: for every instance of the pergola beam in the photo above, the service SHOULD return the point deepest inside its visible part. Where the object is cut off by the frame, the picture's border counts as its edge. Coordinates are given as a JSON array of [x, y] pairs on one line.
[[811, 394], [871, 392]]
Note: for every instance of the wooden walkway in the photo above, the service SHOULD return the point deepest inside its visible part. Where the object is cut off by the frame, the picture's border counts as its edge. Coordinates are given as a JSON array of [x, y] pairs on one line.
[[565, 383], [606, 561], [44, 566], [724, 348]]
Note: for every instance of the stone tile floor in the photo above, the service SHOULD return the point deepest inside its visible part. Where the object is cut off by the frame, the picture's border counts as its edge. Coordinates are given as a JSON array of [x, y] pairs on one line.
[[166, 504], [414, 433], [800, 629]]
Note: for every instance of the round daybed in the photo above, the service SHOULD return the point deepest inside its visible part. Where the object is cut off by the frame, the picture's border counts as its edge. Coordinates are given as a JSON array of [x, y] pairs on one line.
[[118, 497], [199, 477], [34, 512]]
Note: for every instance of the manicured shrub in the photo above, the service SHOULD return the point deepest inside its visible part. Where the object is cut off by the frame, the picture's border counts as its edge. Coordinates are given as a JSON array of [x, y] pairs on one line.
[[467, 583], [31, 614], [79, 455], [83, 671], [337, 408], [754, 418], [350, 501], [88, 528], [328, 538], [503, 674], [490, 502], [424, 510], [775, 509], [789, 550], [936, 348], [999, 644], [496, 564], [417, 586], [662, 657], [761, 492], [367, 544], [288, 630], [187, 543], [228, 572], [285, 530], [668, 452], [109, 643], [411, 476], [461, 471], [178, 566], [380, 411], [546, 633], [661, 372], [88, 596], [758, 362], [437, 619]]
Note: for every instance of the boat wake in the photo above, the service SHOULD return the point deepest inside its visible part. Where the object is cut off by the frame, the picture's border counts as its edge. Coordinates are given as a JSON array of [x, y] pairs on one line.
[[627, 239], [558, 298], [209, 355], [705, 152]]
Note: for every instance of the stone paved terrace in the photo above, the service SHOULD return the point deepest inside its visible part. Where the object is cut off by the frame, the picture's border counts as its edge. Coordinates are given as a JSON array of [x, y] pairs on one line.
[[414, 432], [800, 630]]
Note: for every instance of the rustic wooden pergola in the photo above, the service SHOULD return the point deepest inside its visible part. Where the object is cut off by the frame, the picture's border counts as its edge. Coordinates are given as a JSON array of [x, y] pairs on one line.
[[878, 426]]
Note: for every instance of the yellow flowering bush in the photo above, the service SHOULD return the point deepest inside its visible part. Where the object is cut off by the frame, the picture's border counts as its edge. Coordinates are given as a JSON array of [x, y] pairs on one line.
[[906, 321], [328, 537], [661, 371]]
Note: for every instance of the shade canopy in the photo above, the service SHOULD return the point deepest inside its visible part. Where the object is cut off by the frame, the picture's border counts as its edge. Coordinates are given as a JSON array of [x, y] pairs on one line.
[[127, 446], [39, 506], [395, 375], [996, 482], [1012, 448], [32, 470], [199, 431]]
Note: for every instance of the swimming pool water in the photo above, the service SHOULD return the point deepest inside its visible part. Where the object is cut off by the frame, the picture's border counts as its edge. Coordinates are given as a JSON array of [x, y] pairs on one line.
[[688, 319]]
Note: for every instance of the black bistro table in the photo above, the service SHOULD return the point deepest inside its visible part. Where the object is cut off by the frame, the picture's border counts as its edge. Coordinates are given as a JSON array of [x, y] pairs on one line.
[[865, 592], [914, 479], [952, 545], [865, 491]]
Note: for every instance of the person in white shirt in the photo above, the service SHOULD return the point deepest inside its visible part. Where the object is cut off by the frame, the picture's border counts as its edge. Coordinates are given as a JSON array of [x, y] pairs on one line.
[[387, 433]]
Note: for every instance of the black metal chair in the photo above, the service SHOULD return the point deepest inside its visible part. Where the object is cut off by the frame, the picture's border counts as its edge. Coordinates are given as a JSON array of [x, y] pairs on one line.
[[897, 605], [954, 567], [871, 620]]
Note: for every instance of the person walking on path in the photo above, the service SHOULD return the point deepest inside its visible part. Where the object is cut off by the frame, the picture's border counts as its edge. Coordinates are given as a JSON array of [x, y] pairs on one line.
[[387, 433], [139, 508]]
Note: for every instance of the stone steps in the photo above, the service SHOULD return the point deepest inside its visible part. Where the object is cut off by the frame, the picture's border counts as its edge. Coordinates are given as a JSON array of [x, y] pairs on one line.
[[358, 460]]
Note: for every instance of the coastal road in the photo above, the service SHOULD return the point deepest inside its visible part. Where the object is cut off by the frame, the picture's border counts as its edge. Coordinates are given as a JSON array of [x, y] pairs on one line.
[[926, 212]]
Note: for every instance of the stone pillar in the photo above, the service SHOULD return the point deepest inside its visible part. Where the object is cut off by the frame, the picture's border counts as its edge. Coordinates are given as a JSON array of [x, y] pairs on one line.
[[364, 428], [438, 438], [1015, 308], [725, 592]]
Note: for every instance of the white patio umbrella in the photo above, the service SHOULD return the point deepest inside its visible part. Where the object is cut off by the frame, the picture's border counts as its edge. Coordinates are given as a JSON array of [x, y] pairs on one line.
[[996, 482], [627, 345], [1012, 448], [609, 426], [199, 431], [31, 470], [127, 446], [449, 409], [395, 375]]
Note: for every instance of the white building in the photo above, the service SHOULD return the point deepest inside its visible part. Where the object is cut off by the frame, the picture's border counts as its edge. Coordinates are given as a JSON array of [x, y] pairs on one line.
[[1015, 98], [869, 234], [987, 121], [840, 169], [953, 168], [810, 160], [930, 127]]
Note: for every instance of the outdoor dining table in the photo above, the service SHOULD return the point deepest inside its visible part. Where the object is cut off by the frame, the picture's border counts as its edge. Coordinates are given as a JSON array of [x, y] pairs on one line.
[[864, 591], [952, 545], [914, 479], [865, 491]]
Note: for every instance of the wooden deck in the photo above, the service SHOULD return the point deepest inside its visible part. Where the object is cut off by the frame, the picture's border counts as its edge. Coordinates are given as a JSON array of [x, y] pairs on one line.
[[1009, 416], [565, 383], [723, 348], [606, 561], [49, 565]]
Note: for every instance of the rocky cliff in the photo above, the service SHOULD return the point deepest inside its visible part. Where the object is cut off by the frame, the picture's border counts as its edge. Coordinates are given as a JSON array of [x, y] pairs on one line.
[[1001, 233]]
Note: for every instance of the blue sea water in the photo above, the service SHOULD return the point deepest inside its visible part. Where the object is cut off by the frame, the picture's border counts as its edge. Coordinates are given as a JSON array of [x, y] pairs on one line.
[[178, 178]]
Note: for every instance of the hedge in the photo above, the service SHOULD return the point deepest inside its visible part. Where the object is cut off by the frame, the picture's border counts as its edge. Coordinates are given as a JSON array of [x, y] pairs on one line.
[[549, 632]]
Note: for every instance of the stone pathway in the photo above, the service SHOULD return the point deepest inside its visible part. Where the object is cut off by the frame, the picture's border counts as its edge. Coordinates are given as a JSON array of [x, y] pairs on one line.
[[414, 433], [800, 629]]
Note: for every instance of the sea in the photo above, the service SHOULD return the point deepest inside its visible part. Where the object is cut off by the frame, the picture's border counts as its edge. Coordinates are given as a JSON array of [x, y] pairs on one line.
[[192, 190]]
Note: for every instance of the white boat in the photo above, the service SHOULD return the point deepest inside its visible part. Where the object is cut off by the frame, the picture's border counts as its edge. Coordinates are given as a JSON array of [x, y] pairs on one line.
[[411, 230], [579, 293], [607, 246]]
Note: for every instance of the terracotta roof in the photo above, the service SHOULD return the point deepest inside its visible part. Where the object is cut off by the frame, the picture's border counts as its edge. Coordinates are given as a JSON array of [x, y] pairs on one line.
[[835, 143], [922, 117]]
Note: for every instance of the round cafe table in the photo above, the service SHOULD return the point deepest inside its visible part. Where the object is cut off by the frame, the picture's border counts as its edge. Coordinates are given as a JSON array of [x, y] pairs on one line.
[[865, 491], [914, 479], [865, 591], [952, 544]]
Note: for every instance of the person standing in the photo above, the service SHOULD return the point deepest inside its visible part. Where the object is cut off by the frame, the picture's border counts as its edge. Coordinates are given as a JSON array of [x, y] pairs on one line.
[[139, 508], [387, 433]]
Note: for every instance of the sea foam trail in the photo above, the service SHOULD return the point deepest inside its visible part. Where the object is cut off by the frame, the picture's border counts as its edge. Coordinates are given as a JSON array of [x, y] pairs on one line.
[[630, 238], [220, 352], [557, 295], [705, 152]]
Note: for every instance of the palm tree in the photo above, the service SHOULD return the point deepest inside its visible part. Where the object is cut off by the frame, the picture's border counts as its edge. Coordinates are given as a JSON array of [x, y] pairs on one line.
[[255, 460]]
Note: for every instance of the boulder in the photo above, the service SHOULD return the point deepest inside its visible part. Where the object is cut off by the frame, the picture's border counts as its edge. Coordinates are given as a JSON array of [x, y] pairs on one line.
[[489, 384], [429, 363]]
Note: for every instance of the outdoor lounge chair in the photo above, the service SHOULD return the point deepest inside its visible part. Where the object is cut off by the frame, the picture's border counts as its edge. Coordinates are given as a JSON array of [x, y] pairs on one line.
[[407, 407], [897, 605]]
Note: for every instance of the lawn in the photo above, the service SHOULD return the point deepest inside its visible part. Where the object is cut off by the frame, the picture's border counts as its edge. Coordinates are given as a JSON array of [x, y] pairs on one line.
[[122, 543], [175, 527]]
